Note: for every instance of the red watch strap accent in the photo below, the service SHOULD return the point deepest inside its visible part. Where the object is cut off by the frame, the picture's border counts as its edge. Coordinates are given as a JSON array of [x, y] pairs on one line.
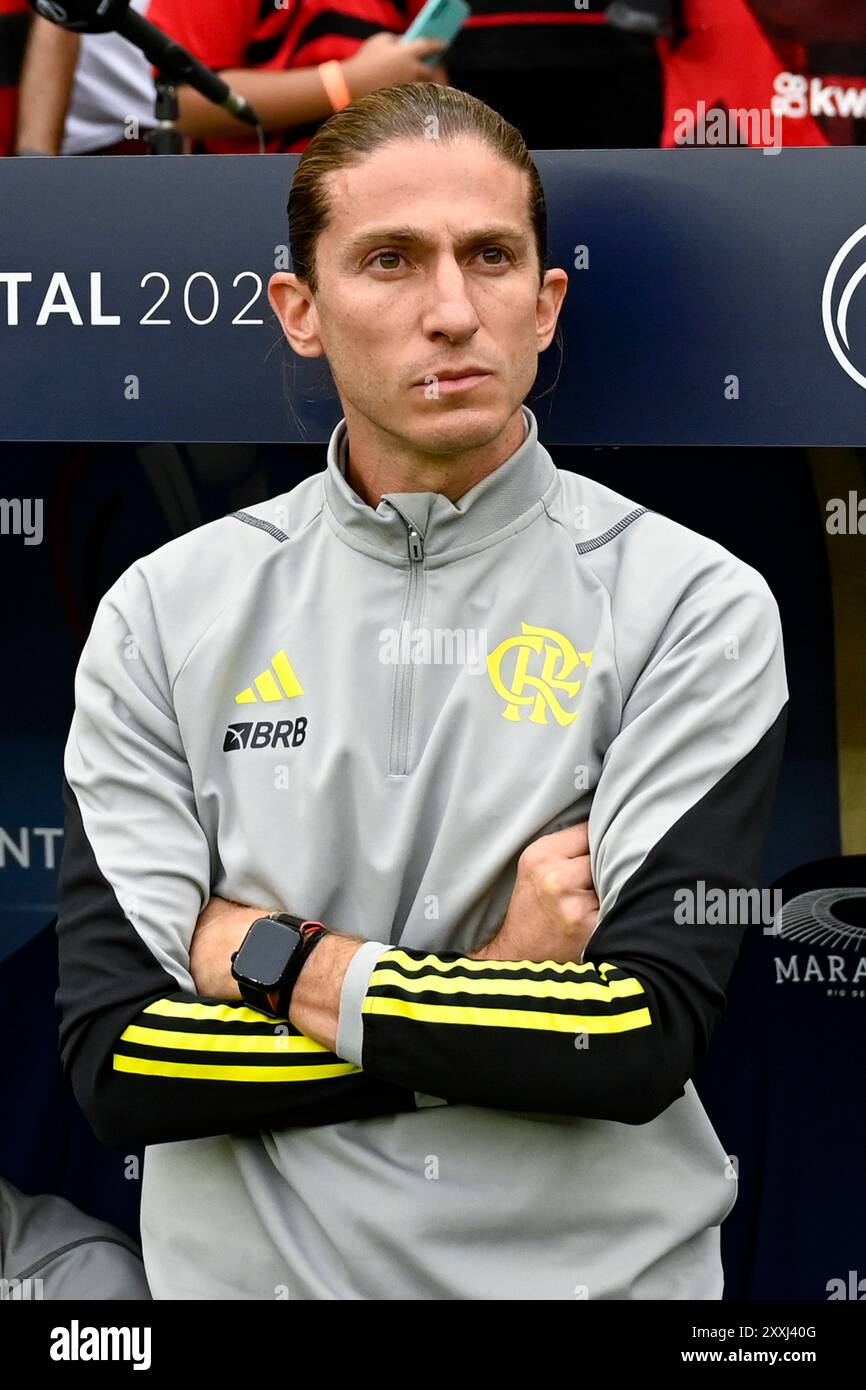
[[308, 925]]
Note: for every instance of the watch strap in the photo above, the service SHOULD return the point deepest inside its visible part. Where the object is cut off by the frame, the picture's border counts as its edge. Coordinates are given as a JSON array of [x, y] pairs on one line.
[[311, 934]]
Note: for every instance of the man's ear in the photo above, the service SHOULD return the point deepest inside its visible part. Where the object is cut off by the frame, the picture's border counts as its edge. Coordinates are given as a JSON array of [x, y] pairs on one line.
[[550, 297], [293, 304]]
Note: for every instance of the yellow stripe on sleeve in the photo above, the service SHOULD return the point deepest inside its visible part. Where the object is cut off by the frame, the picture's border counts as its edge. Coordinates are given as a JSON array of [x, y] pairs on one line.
[[220, 1042], [192, 1071], [211, 1013], [507, 1018], [530, 989], [432, 961]]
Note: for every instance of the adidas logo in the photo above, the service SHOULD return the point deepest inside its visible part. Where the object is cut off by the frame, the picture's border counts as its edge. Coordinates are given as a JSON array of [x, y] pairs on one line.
[[277, 682]]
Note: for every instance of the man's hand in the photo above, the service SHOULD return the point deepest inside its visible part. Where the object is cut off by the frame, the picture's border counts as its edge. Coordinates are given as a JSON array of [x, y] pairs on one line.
[[553, 910], [219, 931], [385, 59], [552, 914]]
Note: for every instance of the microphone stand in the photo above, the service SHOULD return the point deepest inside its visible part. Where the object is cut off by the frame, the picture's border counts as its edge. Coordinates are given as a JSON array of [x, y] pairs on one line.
[[165, 138]]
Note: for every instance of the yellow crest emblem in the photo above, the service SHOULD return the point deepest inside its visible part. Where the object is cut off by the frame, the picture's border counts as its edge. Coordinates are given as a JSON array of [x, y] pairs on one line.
[[560, 660]]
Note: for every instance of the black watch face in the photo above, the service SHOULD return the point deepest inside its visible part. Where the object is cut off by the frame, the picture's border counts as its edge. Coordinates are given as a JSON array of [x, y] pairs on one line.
[[264, 955]]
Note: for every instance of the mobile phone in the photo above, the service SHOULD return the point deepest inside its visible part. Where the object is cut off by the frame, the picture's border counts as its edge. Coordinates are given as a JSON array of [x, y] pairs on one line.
[[439, 19]]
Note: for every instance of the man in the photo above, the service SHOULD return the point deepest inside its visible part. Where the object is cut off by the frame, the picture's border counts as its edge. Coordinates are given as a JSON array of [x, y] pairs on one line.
[[385, 702]]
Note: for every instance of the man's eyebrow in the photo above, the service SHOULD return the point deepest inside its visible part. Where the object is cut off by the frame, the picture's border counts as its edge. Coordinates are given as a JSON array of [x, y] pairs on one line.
[[384, 236]]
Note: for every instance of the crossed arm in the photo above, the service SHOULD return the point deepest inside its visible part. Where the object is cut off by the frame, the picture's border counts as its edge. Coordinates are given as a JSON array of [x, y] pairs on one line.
[[552, 915], [613, 1033]]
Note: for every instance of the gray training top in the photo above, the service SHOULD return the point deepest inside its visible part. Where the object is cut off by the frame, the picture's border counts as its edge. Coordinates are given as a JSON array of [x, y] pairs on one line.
[[364, 715], [51, 1250]]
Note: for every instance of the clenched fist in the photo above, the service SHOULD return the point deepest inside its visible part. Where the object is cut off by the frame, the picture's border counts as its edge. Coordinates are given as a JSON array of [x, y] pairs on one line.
[[553, 910]]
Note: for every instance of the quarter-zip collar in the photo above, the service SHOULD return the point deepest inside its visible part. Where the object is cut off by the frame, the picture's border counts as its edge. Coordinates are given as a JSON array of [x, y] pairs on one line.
[[512, 492]]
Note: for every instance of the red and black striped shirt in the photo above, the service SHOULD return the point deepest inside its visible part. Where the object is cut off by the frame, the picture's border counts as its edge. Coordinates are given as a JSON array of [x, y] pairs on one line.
[[499, 34], [15, 17], [256, 34]]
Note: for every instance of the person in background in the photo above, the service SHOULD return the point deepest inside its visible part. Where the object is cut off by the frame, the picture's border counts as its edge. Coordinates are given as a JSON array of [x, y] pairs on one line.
[[566, 77], [15, 19], [295, 65], [51, 1250], [802, 60], [84, 93]]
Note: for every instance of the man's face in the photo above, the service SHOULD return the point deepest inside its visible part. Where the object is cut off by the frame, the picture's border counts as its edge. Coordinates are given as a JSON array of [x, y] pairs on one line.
[[427, 266]]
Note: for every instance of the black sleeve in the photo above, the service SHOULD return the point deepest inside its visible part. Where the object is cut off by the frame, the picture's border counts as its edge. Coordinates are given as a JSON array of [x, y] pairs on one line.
[[149, 1060], [676, 829]]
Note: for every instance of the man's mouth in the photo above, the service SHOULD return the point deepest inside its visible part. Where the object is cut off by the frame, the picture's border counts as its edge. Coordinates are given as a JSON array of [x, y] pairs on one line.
[[447, 385]]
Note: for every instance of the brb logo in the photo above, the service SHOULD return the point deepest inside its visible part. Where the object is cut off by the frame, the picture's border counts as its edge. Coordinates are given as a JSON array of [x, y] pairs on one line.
[[284, 733], [839, 287]]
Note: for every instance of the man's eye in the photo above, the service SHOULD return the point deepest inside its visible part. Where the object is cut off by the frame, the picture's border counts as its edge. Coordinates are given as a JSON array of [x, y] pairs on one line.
[[398, 255], [379, 254], [501, 250]]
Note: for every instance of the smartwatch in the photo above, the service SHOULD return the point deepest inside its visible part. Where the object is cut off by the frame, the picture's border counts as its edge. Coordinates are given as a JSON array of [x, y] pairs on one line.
[[270, 958]]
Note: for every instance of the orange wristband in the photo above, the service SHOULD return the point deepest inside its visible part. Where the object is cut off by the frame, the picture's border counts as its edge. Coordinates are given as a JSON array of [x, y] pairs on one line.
[[335, 84]]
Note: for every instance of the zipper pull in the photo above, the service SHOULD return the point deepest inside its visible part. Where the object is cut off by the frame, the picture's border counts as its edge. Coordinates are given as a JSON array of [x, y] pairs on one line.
[[416, 545]]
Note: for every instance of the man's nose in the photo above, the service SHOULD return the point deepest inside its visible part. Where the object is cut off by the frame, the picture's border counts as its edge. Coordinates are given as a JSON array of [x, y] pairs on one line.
[[449, 307]]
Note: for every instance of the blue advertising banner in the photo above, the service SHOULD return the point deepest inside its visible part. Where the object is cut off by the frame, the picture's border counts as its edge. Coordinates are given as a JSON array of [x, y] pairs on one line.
[[714, 298]]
